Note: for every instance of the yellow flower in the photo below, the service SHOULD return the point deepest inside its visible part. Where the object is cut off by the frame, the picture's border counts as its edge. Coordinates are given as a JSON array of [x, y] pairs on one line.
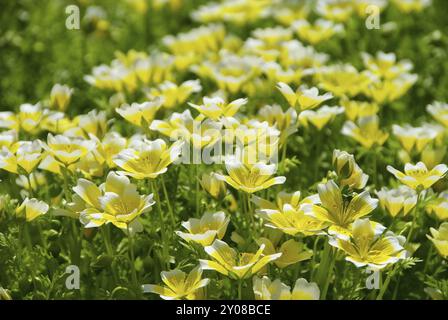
[[60, 96], [416, 138], [4, 294], [359, 109], [136, 113], [291, 250], [416, 176], [439, 206], [285, 121], [57, 122], [215, 108], [319, 118], [109, 147], [369, 245], [338, 11], [173, 95], [67, 150], [93, 123], [250, 178], [23, 155], [388, 90], [179, 285], [440, 239], [117, 201], [432, 156], [348, 171], [229, 262], [148, 159], [215, 187], [8, 120], [265, 289], [30, 209], [366, 131], [8, 138], [408, 6], [321, 30], [205, 230], [385, 65], [439, 111], [338, 211], [30, 116], [287, 213], [303, 98], [399, 201]]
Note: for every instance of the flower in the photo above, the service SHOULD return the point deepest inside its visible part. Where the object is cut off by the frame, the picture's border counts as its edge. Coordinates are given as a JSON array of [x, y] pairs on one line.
[[408, 6], [204, 231], [231, 263], [439, 111], [67, 150], [321, 117], [370, 246], [60, 96], [148, 159], [399, 201], [29, 117], [339, 211], [179, 285], [291, 250], [285, 121], [359, 109], [173, 95], [93, 123], [140, 114], [215, 108], [385, 65], [366, 131], [287, 213], [265, 289], [415, 138], [250, 178], [315, 33], [117, 201], [416, 176], [303, 98], [215, 187], [31, 209], [439, 206], [440, 239], [348, 171], [23, 156]]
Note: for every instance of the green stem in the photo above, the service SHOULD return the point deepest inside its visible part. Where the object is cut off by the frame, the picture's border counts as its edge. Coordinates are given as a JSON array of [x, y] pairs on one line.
[[240, 285], [170, 209], [385, 285], [110, 251], [162, 225], [132, 259]]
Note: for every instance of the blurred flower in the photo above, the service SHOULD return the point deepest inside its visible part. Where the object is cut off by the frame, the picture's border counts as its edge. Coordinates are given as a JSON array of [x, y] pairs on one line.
[[215, 187], [399, 201], [415, 138], [23, 156], [66, 150], [416, 176], [318, 32], [8, 138], [285, 121], [359, 109], [385, 65], [136, 113], [250, 178], [149, 159], [264, 289], [117, 201], [319, 118], [439, 206], [229, 262], [60, 96], [369, 245], [204, 231], [439, 111], [8, 120], [348, 171], [303, 98], [31, 182], [30, 117], [408, 6], [179, 285], [366, 131], [172, 95], [215, 108], [335, 10], [440, 239], [30, 209]]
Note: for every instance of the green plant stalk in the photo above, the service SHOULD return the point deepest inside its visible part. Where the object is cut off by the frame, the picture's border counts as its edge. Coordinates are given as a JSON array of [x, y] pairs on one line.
[[170, 208], [165, 261], [132, 259], [110, 251], [385, 285]]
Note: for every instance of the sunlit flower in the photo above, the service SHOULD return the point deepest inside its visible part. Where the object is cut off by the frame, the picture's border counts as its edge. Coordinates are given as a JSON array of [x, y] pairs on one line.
[[229, 262], [287, 214], [149, 159], [321, 117], [30, 209], [67, 150], [250, 178], [399, 201], [408, 6], [215, 108], [204, 231], [265, 289], [30, 116], [32, 182], [339, 211], [291, 250], [440, 239], [348, 171], [389, 90], [136, 113], [8, 138], [110, 146], [439, 111], [415, 138], [439, 206], [303, 98], [369, 245], [285, 121], [178, 285], [385, 64], [359, 109], [335, 10], [321, 30], [8, 120], [60, 96], [215, 187], [24, 155], [366, 131], [117, 201], [418, 175], [93, 123], [173, 95]]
